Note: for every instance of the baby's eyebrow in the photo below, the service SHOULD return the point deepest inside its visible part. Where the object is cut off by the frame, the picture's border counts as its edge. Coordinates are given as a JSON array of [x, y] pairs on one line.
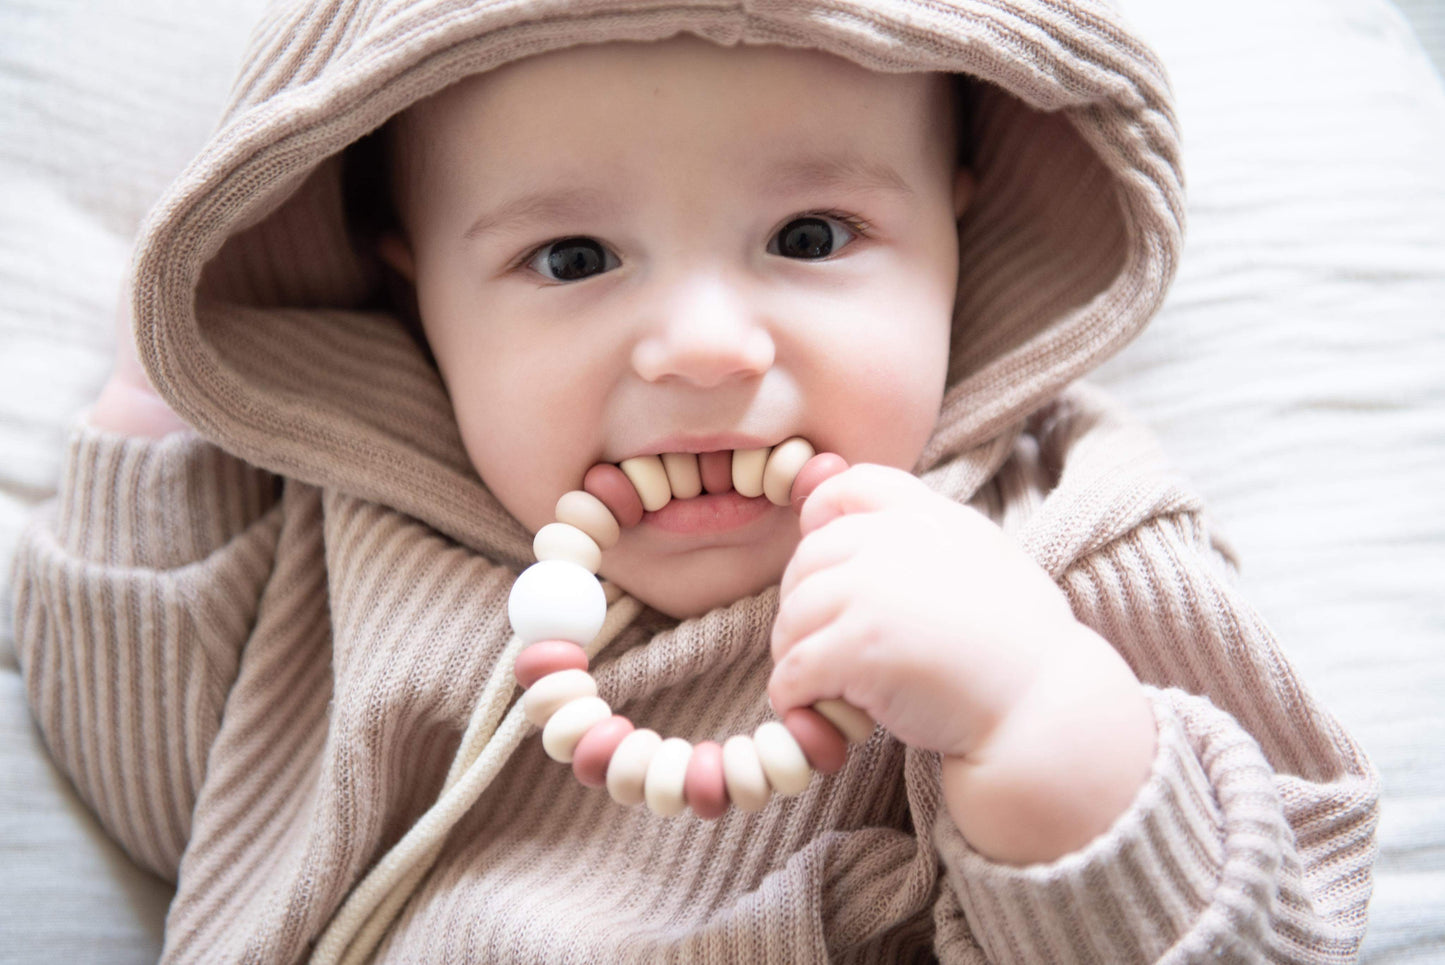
[[834, 171], [785, 176], [565, 204]]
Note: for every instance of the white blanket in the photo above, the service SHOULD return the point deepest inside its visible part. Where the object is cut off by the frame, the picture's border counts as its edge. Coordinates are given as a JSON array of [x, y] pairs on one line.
[[1297, 374]]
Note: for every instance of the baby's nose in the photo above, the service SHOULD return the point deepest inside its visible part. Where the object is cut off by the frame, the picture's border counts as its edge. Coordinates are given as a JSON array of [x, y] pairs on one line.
[[706, 336]]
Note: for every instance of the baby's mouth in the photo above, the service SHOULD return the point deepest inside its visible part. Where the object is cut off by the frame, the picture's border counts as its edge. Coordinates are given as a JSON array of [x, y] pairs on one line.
[[698, 493]]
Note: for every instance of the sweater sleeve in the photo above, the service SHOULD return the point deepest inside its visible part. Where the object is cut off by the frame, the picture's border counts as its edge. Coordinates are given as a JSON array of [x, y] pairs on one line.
[[135, 590], [1253, 837]]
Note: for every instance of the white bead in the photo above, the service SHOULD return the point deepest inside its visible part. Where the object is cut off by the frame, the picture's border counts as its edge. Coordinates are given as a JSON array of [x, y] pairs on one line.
[[561, 541], [627, 771], [748, 466], [743, 773], [683, 476], [565, 728], [589, 514], [649, 478], [783, 760], [666, 775], [544, 697], [784, 464], [556, 600], [851, 722]]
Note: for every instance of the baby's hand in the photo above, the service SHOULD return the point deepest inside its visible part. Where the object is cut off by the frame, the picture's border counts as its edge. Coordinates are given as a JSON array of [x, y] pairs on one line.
[[926, 615]]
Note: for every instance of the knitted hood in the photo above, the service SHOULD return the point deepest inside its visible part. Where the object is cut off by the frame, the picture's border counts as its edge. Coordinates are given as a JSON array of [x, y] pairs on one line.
[[260, 323]]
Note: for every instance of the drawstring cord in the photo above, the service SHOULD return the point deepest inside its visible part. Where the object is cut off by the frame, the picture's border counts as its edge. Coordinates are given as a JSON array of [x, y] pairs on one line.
[[373, 905]]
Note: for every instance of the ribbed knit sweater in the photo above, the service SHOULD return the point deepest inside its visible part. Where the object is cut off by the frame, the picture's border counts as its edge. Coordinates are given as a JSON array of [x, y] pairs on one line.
[[256, 648]]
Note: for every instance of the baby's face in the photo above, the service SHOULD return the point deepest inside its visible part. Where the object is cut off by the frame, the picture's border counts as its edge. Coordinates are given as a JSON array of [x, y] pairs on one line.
[[677, 247]]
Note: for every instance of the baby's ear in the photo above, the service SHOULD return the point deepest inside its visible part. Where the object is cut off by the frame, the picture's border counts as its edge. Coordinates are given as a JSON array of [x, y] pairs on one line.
[[964, 186], [394, 250]]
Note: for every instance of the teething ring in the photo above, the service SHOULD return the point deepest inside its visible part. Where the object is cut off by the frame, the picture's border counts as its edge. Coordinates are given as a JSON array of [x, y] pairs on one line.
[[558, 603]]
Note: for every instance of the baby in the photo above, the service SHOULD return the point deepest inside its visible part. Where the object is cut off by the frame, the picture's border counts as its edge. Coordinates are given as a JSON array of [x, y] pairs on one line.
[[689, 250]]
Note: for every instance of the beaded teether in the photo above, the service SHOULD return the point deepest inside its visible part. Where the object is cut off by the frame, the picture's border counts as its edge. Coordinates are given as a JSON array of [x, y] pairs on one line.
[[557, 604]]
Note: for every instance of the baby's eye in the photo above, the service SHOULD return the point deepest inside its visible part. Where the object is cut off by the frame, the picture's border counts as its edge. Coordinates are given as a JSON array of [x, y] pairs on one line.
[[572, 259], [811, 236]]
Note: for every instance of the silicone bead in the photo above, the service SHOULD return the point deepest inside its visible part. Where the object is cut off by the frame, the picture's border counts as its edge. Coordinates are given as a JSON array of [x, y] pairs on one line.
[[547, 657], [628, 770], [716, 469], [589, 514], [748, 465], [783, 760], [743, 771], [543, 698], [822, 745], [851, 722], [649, 479], [611, 592], [594, 751], [556, 600], [684, 478], [705, 788], [784, 464], [562, 541], [567, 726], [615, 491], [823, 466], [666, 777]]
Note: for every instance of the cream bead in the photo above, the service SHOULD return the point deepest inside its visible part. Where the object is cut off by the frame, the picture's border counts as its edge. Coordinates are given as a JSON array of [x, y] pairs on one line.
[[562, 541], [748, 466], [649, 478], [743, 773], [784, 464], [566, 727], [627, 773], [544, 697], [683, 476], [589, 514], [666, 774], [556, 600], [851, 722], [783, 760]]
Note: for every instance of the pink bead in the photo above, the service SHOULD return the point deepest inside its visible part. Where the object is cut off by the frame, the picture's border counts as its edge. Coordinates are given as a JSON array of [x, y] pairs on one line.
[[704, 788], [609, 484], [822, 467], [825, 748], [595, 749], [547, 656], [717, 471]]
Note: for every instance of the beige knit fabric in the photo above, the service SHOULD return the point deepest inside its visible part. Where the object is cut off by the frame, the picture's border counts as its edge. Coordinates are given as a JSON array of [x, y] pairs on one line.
[[260, 677]]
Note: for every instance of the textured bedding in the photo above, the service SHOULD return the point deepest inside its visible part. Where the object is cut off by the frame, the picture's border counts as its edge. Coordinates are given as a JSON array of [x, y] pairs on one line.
[[1296, 374]]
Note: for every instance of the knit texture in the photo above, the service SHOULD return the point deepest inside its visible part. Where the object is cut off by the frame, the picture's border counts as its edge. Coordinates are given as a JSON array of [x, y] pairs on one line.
[[256, 650]]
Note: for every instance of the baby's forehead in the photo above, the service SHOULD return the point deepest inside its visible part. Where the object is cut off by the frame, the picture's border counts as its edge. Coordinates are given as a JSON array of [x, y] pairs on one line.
[[754, 102], [760, 91]]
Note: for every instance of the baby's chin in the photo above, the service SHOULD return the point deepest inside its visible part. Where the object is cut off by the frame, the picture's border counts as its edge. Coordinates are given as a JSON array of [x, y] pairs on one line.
[[690, 584]]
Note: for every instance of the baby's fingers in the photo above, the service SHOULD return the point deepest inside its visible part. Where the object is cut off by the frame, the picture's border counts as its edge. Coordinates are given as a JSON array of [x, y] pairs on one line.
[[824, 548], [810, 671], [815, 602], [864, 488]]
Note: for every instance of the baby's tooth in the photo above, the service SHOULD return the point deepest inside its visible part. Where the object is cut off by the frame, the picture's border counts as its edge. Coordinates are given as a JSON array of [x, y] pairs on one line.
[[650, 479], [748, 465], [683, 477], [784, 464]]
